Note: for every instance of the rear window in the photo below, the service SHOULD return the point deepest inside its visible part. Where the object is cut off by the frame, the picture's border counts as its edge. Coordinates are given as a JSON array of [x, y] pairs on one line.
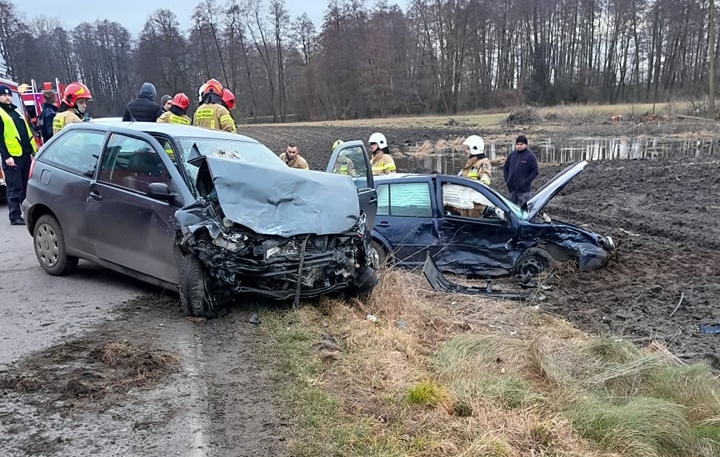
[[410, 199], [76, 151]]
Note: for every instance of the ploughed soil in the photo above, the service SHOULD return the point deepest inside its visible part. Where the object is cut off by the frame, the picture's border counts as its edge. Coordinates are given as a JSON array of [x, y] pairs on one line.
[[663, 283]]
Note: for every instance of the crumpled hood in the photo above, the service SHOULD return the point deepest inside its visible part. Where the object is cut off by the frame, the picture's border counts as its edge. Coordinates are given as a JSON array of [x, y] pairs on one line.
[[280, 200], [552, 187]]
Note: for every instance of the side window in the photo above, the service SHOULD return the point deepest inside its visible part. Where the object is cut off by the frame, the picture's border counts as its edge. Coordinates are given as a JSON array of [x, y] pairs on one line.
[[410, 199], [351, 162], [132, 163], [459, 200], [76, 151]]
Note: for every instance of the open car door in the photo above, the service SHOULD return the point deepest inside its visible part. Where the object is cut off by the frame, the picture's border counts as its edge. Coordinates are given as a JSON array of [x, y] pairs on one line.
[[351, 158]]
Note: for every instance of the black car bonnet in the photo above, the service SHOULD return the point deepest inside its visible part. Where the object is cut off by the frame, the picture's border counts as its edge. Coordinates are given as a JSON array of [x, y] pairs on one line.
[[280, 201]]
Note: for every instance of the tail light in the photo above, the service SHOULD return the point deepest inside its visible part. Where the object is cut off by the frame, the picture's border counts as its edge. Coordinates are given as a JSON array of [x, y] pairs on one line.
[[32, 167]]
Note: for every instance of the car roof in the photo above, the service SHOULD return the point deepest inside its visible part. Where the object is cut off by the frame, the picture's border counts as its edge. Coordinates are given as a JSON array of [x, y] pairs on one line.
[[173, 130]]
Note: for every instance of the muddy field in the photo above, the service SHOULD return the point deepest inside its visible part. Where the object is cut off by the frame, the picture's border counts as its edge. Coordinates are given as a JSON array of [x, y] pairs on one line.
[[664, 281]]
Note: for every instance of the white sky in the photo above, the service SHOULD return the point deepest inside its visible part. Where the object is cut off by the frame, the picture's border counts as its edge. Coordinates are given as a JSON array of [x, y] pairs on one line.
[[133, 14]]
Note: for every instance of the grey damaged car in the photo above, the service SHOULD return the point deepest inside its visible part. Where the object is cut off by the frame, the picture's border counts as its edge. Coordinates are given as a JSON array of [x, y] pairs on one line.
[[209, 214]]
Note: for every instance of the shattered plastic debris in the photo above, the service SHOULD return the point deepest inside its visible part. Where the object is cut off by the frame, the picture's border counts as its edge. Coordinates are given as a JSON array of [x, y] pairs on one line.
[[713, 327]]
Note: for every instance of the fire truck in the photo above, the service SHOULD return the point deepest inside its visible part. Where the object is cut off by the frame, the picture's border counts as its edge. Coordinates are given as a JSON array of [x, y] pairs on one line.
[[29, 103]]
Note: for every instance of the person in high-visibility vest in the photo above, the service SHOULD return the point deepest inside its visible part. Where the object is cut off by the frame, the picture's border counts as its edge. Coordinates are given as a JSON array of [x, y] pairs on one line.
[[16, 150], [177, 114], [73, 106], [381, 161], [212, 114], [477, 166]]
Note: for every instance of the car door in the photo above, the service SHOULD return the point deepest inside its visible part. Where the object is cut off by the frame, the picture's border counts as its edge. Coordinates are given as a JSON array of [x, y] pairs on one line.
[[405, 219], [352, 159], [129, 227], [477, 232], [61, 180]]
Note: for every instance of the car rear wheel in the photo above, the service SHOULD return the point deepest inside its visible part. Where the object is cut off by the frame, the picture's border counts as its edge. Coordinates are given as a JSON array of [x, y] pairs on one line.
[[195, 297], [49, 244], [378, 257]]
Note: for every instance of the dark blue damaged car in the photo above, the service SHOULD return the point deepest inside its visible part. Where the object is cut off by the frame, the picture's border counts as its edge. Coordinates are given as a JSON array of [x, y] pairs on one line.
[[469, 228], [209, 214]]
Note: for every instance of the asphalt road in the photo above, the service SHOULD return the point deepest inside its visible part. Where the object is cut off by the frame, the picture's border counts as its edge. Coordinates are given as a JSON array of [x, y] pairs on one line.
[[38, 310]]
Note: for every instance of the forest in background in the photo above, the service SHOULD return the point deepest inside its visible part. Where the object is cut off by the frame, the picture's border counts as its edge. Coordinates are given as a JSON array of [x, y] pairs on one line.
[[435, 57]]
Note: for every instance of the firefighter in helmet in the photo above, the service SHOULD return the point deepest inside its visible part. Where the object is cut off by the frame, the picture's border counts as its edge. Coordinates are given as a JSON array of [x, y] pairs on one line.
[[212, 114], [73, 106], [478, 166], [177, 114], [343, 165], [381, 161]]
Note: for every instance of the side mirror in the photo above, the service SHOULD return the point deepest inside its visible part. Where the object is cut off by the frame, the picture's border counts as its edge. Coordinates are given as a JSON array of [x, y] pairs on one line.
[[160, 191]]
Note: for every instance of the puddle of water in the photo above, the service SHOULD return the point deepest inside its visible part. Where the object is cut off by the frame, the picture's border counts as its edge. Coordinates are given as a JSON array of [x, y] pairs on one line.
[[450, 159]]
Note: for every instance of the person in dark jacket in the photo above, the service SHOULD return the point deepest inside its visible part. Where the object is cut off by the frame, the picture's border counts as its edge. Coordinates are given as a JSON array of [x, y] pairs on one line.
[[519, 171], [47, 114], [16, 150], [143, 108]]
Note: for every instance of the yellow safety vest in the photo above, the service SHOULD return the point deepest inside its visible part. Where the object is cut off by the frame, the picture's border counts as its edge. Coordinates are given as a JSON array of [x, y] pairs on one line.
[[382, 164], [11, 136]]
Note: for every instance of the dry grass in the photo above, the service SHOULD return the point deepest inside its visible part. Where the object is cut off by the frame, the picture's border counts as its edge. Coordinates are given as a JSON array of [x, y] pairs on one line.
[[412, 372]]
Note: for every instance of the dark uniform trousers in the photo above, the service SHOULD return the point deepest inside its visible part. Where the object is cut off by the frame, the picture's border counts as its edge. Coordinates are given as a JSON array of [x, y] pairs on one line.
[[16, 179]]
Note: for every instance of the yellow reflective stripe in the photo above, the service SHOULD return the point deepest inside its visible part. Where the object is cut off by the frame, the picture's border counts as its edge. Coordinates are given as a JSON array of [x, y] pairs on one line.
[[227, 123], [175, 119]]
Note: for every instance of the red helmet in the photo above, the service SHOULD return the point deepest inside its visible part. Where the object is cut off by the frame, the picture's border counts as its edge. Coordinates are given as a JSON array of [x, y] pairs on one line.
[[181, 101], [74, 92], [213, 86], [228, 98]]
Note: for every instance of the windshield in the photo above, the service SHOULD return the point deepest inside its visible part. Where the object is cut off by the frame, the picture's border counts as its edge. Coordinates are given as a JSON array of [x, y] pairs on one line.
[[515, 209], [230, 149]]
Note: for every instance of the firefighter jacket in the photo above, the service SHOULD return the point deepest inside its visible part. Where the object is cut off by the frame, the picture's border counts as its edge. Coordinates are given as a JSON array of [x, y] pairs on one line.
[[215, 117], [63, 118], [477, 168], [382, 164], [344, 166], [172, 118], [16, 134], [297, 162]]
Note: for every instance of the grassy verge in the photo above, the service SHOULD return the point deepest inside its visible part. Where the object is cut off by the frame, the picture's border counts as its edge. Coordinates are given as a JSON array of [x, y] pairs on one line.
[[430, 375]]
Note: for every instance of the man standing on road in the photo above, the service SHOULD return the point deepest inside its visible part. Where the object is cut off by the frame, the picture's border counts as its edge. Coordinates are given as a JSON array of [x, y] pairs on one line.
[[17, 148], [519, 171], [292, 159]]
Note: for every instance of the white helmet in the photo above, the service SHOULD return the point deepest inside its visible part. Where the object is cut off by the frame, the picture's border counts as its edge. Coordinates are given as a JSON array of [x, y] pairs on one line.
[[378, 138], [476, 144]]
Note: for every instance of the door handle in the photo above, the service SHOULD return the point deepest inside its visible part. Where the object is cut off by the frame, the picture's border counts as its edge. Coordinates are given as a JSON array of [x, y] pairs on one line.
[[95, 196], [383, 224]]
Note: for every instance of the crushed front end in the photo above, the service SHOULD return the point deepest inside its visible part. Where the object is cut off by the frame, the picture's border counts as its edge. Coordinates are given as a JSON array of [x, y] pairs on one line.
[[239, 260]]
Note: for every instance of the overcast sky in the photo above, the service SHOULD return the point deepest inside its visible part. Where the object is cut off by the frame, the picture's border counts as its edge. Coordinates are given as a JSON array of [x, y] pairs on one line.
[[134, 13]]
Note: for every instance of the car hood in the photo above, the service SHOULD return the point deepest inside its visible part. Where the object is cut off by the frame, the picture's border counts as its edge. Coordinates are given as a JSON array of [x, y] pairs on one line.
[[551, 188], [281, 200]]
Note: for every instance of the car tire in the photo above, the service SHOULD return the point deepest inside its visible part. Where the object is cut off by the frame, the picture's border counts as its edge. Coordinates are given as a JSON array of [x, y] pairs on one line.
[[378, 257], [195, 298], [533, 262], [49, 245], [364, 282]]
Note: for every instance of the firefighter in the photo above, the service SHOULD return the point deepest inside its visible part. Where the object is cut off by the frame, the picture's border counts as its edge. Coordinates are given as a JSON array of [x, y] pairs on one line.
[[212, 114], [343, 165], [292, 159], [228, 99], [177, 113], [381, 161], [477, 166], [73, 106], [17, 148]]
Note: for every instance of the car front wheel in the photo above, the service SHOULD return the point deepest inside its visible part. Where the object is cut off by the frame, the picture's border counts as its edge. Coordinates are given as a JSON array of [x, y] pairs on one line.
[[49, 244], [533, 262], [195, 297], [377, 257]]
